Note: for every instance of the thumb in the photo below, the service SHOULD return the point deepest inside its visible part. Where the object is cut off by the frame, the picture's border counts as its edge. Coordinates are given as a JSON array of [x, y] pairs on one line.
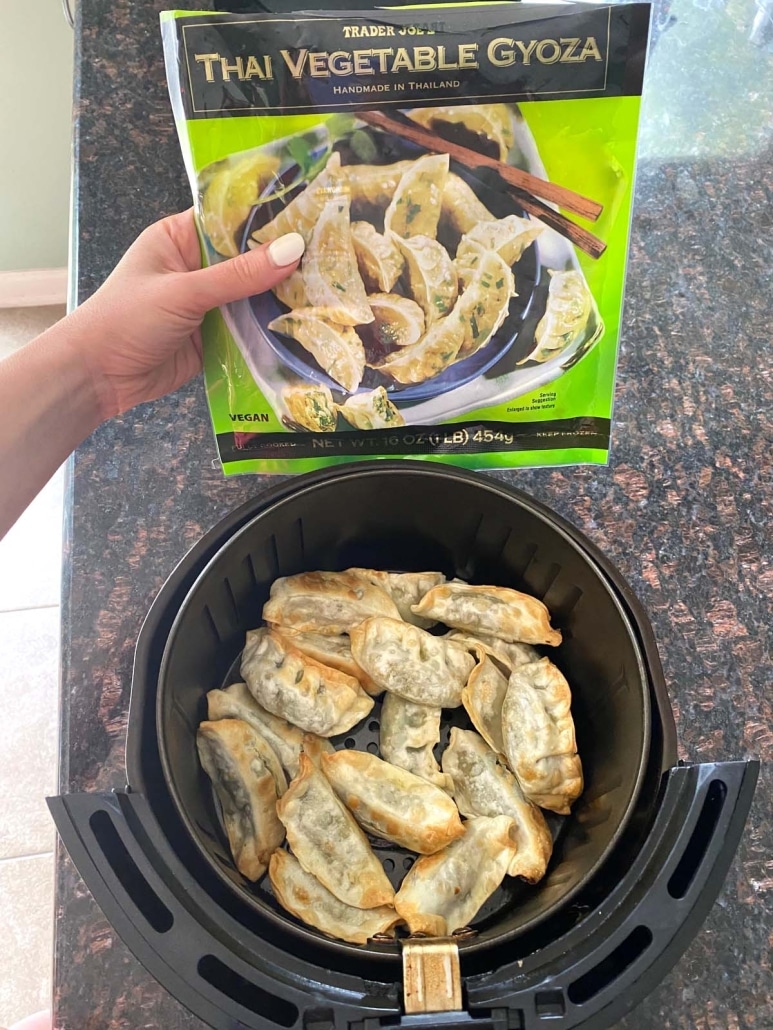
[[245, 275]]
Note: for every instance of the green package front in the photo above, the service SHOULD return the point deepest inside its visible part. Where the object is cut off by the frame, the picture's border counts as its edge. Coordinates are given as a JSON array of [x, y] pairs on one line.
[[462, 176]]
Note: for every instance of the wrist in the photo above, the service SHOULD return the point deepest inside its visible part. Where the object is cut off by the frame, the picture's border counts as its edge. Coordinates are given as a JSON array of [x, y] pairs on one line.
[[48, 406], [65, 361], [77, 341]]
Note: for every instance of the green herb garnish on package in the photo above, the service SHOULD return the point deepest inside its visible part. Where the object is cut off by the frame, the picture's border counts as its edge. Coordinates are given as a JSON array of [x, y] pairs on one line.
[[462, 176]]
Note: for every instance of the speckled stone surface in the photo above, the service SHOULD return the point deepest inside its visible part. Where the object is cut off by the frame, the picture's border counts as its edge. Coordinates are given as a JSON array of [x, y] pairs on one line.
[[684, 508]]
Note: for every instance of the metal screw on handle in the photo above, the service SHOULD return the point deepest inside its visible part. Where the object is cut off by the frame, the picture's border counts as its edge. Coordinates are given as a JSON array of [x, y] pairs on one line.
[[464, 933], [67, 11]]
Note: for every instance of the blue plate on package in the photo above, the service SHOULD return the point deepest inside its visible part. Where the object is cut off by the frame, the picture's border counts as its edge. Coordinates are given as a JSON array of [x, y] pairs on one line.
[[266, 307]]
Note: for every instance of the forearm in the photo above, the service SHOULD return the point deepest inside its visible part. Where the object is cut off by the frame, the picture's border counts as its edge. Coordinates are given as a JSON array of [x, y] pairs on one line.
[[135, 340], [48, 406]]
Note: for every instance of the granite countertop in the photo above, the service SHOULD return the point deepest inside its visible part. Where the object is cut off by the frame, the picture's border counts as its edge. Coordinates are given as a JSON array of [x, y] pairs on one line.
[[684, 508]]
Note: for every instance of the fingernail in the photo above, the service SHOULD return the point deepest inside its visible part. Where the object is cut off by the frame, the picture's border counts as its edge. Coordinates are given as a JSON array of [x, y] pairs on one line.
[[286, 250]]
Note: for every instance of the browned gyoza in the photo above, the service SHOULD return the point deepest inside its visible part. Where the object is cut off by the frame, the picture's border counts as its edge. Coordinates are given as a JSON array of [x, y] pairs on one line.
[[445, 891], [483, 786], [392, 803], [304, 896], [405, 588], [325, 602], [539, 738], [408, 661], [508, 654], [483, 698], [236, 702], [247, 779], [310, 695], [498, 611], [334, 651], [407, 735], [328, 843]]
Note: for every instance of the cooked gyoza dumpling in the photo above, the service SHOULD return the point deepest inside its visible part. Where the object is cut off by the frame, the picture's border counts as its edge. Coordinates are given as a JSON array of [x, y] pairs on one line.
[[405, 589], [445, 891], [330, 272], [485, 301], [414, 210], [490, 123], [312, 408], [508, 654], [408, 661], [236, 702], [310, 695], [508, 237], [379, 261], [481, 786], [292, 291], [504, 613], [467, 266], [432, 278], [461, 208], [329, 844], [397, 322], [538, 732], [483, 697], [434, 352], [407, 734], [337, 349], [238, 761], [330, 603], [391, 803], [335, 651], [373, 186], [569, 307], [315, 747], [372, 410], [228, 190], [304, 896], [303, 211]]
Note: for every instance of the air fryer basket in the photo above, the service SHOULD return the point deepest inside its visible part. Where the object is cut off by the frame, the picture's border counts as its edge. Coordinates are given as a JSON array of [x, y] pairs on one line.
[[409, 518], [235, 963]]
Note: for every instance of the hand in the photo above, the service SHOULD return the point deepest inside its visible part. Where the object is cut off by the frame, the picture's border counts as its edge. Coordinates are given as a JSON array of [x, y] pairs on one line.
[[139, 333]]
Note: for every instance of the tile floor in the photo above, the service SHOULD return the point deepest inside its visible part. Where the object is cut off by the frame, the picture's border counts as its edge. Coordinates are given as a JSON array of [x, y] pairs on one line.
[[30, 566]]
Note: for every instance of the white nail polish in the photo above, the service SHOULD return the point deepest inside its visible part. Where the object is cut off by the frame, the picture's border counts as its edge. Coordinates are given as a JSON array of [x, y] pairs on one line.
[[286, 250]]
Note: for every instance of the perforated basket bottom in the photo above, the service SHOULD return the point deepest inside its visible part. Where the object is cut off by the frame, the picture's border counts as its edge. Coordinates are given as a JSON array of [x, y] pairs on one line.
[[395, 860]]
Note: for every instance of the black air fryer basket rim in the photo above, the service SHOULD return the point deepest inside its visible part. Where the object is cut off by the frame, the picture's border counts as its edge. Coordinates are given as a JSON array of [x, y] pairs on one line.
[[188, 568], [295, 491]]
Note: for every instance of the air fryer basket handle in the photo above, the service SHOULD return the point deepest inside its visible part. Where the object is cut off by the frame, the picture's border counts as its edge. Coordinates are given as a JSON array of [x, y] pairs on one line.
[[579, 980], [591, 981], [206, 974]]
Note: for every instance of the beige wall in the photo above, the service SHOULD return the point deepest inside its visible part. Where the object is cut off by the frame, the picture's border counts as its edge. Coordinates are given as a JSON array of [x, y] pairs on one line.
[[35, 125]]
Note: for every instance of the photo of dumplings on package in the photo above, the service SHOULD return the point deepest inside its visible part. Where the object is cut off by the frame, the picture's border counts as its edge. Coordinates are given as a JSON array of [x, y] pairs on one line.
[[462, 178]]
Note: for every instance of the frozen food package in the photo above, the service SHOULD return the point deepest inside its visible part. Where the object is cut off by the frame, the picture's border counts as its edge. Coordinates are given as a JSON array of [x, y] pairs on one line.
[[462, 176]]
